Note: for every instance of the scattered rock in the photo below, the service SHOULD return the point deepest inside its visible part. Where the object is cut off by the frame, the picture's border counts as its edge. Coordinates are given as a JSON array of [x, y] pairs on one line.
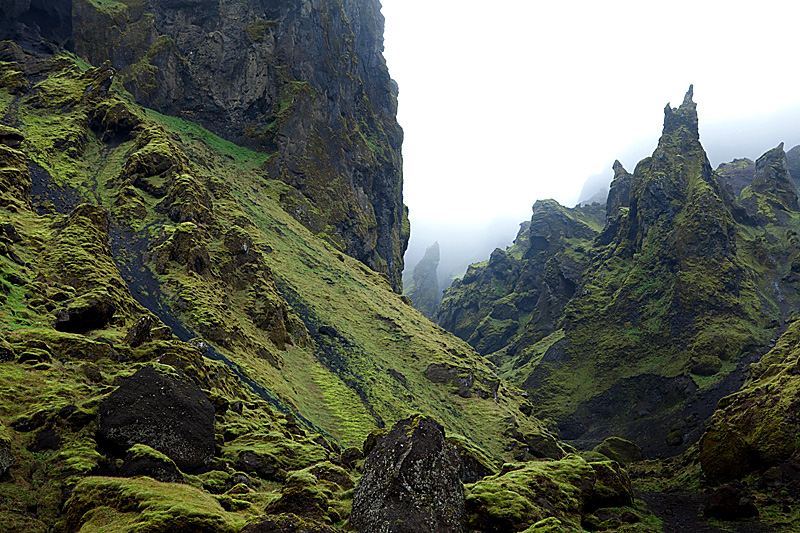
[[168, 413], [287, 523], [620, 450], [350, 456], [11, 232], [253, 463], [6, 459], [92, 373], [6, 352], [143, 460], [475, 464], [410, 482], [140, 332], [302, 497], [728, 503], [46, 439]]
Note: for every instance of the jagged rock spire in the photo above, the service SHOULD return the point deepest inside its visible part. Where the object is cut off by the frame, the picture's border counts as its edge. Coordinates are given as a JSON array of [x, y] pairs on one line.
[[683, 118], [620, 190], [689, 94], [773, 180]]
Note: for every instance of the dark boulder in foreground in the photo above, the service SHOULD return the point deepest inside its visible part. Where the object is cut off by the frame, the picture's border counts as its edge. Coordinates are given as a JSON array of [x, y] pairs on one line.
[[410, 483], [82, 317], [168, 413]]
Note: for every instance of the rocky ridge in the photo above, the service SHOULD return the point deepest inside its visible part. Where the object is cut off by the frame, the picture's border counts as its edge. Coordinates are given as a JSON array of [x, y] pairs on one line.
[[687, 281]]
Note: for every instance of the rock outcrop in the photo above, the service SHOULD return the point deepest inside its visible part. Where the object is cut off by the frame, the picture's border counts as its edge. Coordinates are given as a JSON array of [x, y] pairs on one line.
[[424, 293], [167, 413], [410, 482]]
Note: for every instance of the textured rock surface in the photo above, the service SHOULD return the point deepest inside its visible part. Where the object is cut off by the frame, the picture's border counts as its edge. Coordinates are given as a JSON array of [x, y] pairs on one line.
[[304, 81], [620, 450], [425, 292], [6, 459], [410, 482], [167, 413]]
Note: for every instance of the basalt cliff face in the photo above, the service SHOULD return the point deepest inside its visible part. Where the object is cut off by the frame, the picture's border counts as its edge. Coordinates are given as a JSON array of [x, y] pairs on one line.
[[303, 82], [637, 321]]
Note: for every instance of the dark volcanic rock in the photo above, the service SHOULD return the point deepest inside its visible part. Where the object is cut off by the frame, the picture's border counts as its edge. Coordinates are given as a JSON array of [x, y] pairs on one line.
[[738, 174], [303, 81], [252, 463], [169, 414], [410, 482], [773, 183], [728, 503], [6, 352], [84, 316], [620, 450], [140, 332], [150, 465], [46, 439]]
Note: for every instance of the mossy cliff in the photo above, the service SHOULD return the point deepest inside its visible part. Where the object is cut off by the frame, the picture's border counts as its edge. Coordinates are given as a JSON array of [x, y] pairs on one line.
[[685, 284], [132, 239], [303, 82], [424, 290]]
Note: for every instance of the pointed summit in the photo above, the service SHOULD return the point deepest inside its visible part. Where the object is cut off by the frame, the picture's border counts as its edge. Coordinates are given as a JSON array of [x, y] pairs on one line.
[[682, 120], [773, 181], [689, 94]]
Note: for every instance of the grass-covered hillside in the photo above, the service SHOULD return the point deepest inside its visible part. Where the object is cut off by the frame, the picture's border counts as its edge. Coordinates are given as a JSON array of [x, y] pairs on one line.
[[134, 239]]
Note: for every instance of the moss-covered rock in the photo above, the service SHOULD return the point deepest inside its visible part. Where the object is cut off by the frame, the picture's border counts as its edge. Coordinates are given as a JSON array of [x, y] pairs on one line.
[[620, 450], [563, 491], [410, 482], [757, 428]]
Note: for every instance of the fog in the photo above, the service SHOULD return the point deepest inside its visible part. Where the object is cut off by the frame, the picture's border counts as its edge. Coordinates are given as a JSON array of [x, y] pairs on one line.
[[508, 102]]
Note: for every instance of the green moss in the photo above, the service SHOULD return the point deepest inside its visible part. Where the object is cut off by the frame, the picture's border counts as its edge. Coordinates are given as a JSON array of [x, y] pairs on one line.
[[259, 28], [512, 499], [123, 505]]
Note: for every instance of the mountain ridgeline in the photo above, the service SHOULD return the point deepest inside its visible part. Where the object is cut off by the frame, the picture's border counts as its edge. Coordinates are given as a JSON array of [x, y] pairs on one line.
[[634, 319]]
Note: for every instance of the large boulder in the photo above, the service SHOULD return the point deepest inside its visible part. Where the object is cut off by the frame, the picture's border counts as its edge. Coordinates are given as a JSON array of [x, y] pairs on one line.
[[410, 482], [166, 412], [620, 450]]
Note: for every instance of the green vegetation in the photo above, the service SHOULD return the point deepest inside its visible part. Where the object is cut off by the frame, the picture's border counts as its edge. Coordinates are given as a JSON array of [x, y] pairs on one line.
[[194, 227]]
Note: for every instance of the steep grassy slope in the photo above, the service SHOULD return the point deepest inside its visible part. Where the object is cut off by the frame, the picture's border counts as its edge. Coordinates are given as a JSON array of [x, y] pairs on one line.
[[113, 214], [684, 286]]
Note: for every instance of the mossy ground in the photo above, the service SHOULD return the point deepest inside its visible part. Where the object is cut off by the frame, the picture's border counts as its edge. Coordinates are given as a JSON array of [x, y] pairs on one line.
[[323, 335]]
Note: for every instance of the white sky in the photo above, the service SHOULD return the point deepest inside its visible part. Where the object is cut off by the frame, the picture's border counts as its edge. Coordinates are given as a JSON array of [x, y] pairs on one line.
[[509, 101]]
